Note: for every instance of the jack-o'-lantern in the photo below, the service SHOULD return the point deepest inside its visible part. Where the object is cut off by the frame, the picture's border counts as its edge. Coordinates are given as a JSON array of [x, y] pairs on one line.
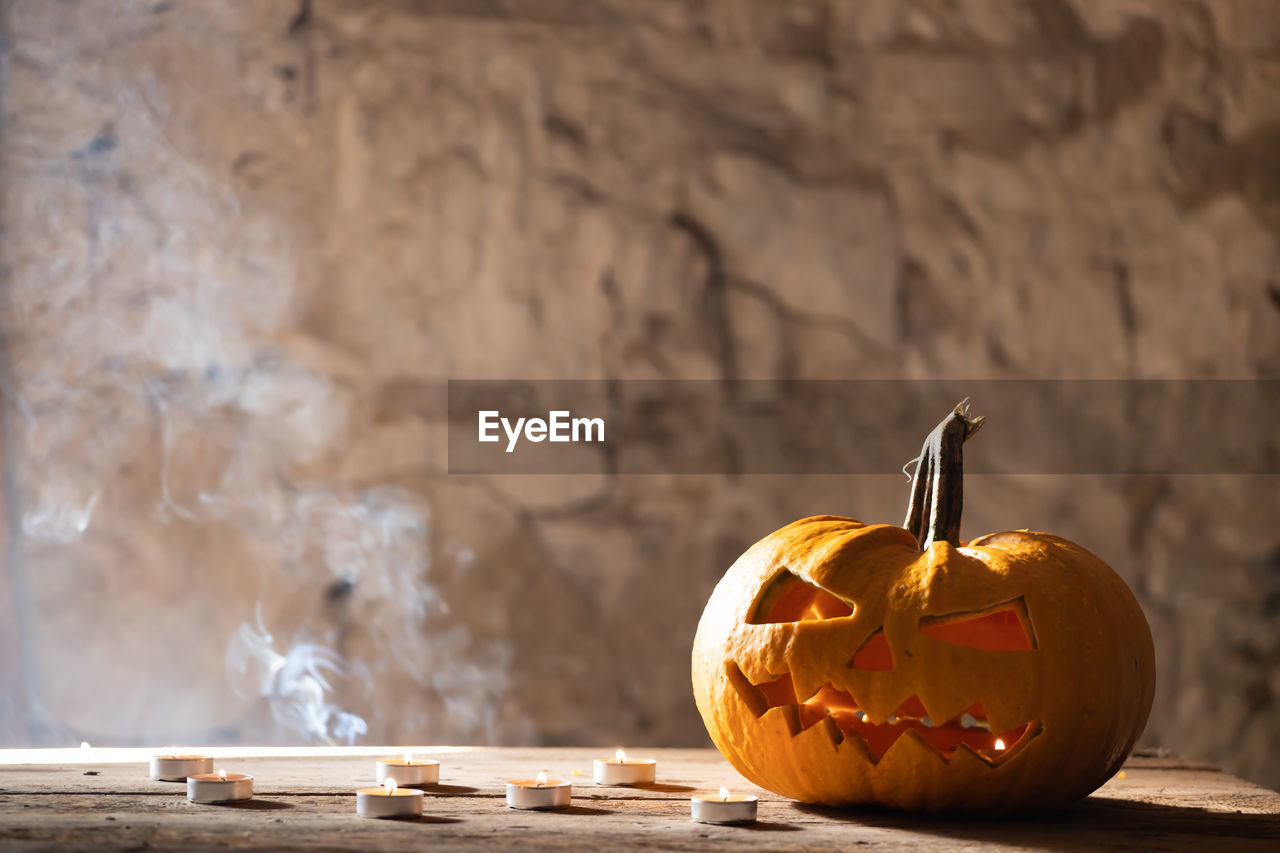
[[846, 663]]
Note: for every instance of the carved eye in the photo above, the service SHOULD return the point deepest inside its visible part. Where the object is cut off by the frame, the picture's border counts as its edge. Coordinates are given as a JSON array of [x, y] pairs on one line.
[[790, 598], [1005, 627]]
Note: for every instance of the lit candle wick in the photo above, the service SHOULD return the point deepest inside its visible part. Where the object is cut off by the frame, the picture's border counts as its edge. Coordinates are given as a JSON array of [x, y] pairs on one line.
[[541, 781], [222, 774], [408, 758], [620, 757], [999, 744], [389, 786], [724, 794]]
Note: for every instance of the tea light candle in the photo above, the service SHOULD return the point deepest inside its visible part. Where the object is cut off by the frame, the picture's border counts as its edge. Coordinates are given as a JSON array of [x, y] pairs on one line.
[[176, 768], [727, 808], [389, 801], [220, 787], [539, 793], [409, 770], [625, 771]]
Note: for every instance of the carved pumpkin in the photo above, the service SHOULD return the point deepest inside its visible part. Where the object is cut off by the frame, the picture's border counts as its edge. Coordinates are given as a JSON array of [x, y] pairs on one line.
[[847, 663]]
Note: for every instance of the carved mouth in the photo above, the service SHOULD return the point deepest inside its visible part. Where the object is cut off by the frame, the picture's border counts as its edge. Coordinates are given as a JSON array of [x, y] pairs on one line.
[[841, 717]]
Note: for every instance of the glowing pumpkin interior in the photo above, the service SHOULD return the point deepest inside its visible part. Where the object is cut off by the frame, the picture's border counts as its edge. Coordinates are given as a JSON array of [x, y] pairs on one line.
[[1002, 627]]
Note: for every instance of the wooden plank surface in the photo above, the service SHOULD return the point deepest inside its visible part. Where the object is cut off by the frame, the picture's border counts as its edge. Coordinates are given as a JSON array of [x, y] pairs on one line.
[[308, 803]]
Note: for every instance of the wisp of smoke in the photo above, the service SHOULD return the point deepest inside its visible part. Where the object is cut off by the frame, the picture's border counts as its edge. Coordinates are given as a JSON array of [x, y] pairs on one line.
[[293, 683]]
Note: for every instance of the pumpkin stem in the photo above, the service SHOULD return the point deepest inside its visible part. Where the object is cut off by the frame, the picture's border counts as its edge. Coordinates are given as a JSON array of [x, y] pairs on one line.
[[937, 487]]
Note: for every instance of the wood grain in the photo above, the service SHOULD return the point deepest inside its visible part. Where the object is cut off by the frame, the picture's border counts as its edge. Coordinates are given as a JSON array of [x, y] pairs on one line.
[[308, 803]]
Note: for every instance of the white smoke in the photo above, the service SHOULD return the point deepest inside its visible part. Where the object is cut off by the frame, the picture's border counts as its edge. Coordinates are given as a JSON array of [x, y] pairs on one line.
[[294, 683], [149, 317]]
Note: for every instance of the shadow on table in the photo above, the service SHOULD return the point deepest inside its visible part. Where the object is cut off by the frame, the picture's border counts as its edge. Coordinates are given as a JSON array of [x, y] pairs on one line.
[[1096, 822], [256, 805], [580, 810], [446, 790]]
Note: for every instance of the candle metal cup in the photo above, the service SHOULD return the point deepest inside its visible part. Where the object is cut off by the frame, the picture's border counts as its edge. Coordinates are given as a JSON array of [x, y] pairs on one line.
[[632, 771], [378, 802], [424, 771], [738, 808], [176, 768], [209, 788], [528, 794]]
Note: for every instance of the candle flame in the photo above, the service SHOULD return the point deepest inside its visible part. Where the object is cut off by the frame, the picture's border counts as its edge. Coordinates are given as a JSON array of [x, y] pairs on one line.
[[542, 779], [222, 774], [390, 785], [999, 744], [620, 757], [84, 744], [408, 758], [724, 794]]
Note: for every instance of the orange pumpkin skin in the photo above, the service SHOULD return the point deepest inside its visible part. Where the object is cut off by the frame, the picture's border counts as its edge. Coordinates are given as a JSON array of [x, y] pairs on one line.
[[1026, 629]]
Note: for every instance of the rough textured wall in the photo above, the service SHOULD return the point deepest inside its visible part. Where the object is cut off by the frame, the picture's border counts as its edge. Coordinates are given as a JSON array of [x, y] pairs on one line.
[[245, 242]]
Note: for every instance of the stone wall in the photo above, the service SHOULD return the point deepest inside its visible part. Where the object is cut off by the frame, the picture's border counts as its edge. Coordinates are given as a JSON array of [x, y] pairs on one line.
[[245, 243]]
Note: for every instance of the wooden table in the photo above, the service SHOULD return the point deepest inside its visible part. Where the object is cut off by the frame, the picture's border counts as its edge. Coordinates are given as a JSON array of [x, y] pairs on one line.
[[306, 802]]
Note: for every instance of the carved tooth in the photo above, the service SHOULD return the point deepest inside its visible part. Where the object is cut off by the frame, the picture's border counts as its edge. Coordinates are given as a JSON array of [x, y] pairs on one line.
[[1005, 713], [775, 721], [967, 759], [807, 685], [910, 750], [942, 704], [757, 671], [854, 748], [831, 731], [791, 713], [882, 704]]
